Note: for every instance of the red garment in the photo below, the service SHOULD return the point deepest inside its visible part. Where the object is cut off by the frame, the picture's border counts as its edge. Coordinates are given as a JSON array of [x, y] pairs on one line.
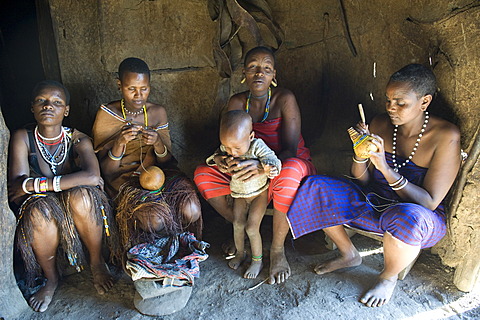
[[212, 183]]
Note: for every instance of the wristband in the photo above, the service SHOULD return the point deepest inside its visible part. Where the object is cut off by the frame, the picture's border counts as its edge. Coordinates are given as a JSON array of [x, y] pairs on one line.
[[111, 156], [403, 185], [24, 185], [163, 154], [36, 185], [56, 184], [43, 184], [359, 161]]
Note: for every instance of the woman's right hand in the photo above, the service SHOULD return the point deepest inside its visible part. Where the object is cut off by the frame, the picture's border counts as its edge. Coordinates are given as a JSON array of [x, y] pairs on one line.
[[129, 132], [362, 128]]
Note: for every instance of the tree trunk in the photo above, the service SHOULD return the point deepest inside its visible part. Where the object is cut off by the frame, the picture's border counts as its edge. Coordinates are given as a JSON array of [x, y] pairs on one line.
[[12, 303]]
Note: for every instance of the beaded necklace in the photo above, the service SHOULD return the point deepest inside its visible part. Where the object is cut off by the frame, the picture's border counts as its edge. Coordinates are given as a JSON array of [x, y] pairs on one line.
[[267, 105], [59, 153], [143, 110], [396, 166]]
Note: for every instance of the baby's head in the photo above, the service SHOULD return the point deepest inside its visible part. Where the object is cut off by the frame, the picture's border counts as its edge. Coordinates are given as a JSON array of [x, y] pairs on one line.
[[236, 132]]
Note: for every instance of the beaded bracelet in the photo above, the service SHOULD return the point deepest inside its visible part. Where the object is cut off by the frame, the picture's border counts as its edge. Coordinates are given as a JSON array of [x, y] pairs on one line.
[[111, 156], [56, 184], [24, 185], [359, 161], [403, 185], [163, 154], [257, 258], [43, 184]]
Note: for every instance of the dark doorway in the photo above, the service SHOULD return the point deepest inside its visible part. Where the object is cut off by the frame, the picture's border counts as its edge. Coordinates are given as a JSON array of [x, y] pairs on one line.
[[20, 60]]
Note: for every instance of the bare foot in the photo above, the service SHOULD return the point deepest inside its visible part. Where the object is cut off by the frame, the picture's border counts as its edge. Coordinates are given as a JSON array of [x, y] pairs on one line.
[[237, 260], [102, 279], [352, 260], [380, 293], [42, 298], [254, 269], [279, 267], [228, 247]]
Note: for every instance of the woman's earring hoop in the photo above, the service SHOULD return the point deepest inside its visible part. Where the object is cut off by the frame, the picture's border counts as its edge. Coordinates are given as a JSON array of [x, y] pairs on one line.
[[274, 82], [243, 80]]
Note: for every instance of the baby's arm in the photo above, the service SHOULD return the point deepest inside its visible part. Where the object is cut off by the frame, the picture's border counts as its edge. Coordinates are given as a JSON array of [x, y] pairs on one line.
[[270, 162]]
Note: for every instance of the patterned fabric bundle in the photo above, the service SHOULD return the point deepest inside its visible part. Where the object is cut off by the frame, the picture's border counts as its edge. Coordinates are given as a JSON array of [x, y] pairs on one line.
[[56, 206], [175, 257]]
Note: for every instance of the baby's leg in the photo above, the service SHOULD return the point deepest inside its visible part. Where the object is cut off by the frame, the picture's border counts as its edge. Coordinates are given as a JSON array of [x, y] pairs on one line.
[[240, 208], [255, 216]]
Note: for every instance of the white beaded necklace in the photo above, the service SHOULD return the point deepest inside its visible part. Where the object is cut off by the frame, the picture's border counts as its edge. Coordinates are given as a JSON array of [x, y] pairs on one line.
[[396, 166]]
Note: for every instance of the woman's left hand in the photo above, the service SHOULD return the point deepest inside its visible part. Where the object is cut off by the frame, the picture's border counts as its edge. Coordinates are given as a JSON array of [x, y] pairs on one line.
[[248, 169], [149, 136], [378, 158]]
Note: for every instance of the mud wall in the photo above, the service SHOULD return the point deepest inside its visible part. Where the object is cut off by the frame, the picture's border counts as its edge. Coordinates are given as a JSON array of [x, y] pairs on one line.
[[333, 55]]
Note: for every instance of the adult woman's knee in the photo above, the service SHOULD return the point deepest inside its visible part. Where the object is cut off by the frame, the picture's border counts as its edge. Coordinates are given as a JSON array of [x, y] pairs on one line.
[[191, 212], [81, 203]]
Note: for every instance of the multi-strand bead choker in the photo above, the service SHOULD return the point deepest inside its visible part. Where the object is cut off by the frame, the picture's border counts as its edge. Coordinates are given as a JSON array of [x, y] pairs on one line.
[[397, 166]]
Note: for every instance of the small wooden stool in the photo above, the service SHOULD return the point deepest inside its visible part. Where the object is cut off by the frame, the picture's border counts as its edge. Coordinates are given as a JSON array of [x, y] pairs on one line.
[[373, 235]]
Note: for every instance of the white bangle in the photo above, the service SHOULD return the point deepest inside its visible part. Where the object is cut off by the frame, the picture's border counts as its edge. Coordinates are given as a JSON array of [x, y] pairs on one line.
[[359, 161], [24, 185], [401, 186], [161, 155], [36, 185], [56, 184]]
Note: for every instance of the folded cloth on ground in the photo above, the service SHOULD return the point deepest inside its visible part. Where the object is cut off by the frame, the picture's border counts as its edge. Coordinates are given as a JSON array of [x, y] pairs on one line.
[[175, 257]]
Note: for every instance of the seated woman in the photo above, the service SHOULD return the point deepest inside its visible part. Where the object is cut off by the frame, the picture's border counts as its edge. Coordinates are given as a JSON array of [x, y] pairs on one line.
[[53, 179], [405, 182], [130, 135], [277, 121]]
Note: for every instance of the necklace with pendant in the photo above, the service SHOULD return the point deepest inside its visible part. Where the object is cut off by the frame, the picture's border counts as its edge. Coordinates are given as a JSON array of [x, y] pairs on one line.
[[59, 153]]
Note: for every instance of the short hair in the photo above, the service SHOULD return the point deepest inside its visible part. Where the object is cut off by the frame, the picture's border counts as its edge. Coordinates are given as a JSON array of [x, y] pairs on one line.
[[50, 84], [259, 49], [420, 78], [134, 65], [235, 120]]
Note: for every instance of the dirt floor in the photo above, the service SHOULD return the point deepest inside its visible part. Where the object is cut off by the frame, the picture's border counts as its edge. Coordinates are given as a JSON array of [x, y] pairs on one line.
[[220, 293]]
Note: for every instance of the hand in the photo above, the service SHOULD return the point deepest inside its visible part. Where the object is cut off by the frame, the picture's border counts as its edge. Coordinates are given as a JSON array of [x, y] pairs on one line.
[[101, 184], [362, 128], [150, 136], [247, 169], [270, 171], [220, 161], [128, 133], [15, 191], [378, 158]]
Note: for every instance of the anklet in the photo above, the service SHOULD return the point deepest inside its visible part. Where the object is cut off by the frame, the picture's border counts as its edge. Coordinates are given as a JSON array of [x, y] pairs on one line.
[[257, 258]]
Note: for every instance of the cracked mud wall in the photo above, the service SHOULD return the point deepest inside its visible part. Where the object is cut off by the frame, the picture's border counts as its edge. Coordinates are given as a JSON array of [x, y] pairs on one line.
[[328, 76]]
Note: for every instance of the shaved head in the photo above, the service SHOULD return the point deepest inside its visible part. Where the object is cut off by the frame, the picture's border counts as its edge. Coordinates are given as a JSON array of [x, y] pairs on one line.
[[236, 121]]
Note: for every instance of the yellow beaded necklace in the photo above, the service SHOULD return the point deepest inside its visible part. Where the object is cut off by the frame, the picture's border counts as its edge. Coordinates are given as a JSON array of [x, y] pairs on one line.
[[143, 110]]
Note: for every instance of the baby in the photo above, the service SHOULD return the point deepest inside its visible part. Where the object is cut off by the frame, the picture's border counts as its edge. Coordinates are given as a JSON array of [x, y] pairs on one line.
[[238, 143]]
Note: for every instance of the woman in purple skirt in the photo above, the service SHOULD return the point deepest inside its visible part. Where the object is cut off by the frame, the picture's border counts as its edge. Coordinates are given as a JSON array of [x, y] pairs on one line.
[[399, 189]]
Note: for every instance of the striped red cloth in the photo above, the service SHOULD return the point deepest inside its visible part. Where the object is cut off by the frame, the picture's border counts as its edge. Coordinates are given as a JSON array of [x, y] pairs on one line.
[[212, 183]]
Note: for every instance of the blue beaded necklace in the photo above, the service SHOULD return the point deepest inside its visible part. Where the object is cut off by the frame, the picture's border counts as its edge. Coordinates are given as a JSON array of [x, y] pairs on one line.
[[267, 105]]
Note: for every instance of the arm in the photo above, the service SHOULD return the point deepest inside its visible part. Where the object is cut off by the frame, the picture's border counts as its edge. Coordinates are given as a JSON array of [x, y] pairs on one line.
[[20, 170], [271, 164], [442, 170], [291, 124], [154, 138]]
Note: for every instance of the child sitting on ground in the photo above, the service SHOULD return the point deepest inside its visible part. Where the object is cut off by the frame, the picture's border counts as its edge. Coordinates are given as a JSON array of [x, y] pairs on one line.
[[249, 193]]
